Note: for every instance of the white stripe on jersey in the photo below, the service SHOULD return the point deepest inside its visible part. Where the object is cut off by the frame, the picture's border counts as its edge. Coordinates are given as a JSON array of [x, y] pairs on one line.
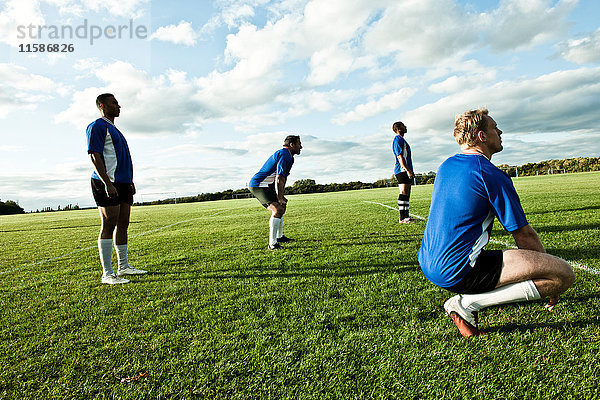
[[482, 240], [110, 156], [268, 180]]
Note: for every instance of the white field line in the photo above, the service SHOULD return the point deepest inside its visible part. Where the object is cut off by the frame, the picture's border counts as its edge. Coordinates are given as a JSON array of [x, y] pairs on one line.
[[95, 247], [573, 264], [395, 209]]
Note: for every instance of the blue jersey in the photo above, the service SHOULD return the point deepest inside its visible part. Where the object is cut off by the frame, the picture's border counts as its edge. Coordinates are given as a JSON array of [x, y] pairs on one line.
[[468, 193], [280, 163], [400, 146], [104, 138]]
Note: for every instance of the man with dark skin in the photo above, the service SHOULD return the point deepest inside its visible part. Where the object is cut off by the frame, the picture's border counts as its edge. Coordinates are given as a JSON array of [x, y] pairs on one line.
[[112, 187]]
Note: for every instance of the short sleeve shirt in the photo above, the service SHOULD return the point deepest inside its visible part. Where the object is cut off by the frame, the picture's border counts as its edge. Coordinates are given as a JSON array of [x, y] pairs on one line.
[[103, 137], [280, 163], [468, 194], [400, 146]]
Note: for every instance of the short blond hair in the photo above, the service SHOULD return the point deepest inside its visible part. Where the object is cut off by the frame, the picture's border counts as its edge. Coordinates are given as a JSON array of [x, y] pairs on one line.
[[467, 124]]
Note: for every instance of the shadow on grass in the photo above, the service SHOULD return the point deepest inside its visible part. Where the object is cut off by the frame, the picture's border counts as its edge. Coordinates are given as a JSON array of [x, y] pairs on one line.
[[262, 272], [51, 228], [368, 239], [567, 228], [594, 320], [555, 210], [580, 255], [561, 326]]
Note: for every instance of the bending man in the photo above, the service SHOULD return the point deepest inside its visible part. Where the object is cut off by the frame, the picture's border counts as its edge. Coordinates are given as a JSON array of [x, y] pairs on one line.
[[268, 186]]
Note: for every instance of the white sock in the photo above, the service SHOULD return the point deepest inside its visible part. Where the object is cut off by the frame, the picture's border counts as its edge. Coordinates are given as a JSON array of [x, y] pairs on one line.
[[274, 224], [105, 250], [280, 228], [122, 255], [515, 292]]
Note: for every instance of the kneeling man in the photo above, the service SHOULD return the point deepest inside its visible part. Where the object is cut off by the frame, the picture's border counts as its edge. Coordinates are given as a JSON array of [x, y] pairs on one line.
[[468, 194]]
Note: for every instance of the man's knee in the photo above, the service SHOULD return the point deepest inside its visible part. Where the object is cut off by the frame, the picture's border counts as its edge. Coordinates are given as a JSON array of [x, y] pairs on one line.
[[110, 221], [122, 226], [123, 222], [279, 211], [567, 276], [519, 265], [404, 190]]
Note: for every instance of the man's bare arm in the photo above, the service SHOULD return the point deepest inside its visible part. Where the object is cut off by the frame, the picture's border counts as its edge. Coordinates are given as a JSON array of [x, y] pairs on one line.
[[527, 238]]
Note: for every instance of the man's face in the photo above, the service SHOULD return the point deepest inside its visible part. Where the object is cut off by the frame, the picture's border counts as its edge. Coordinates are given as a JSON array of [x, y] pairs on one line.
[[401, 130], [296, 147], [492, 134], [111, 108]]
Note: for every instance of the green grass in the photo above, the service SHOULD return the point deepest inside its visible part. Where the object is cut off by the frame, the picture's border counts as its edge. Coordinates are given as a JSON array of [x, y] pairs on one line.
[[343, 312]]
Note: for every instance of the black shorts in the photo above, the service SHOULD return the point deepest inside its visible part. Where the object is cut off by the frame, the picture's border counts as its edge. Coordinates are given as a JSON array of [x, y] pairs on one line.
[[265, 195], [484, 276], [403, 178], [124, 194]]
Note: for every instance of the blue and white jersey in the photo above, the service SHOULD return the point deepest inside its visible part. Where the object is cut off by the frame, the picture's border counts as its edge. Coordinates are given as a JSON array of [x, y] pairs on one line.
[[400, 146], [104, 138], [280, 163], [469, 191]]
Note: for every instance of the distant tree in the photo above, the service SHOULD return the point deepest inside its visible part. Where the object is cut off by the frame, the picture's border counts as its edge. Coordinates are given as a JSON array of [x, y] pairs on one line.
[[304, 186], [10, 207]]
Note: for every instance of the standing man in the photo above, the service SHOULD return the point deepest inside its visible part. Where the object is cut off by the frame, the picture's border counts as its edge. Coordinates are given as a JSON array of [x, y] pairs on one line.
[[403, 170], [268, 186], [112, 187], [469, 192]]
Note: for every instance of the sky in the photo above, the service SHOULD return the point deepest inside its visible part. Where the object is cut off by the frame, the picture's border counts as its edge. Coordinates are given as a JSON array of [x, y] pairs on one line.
[[209, 89]]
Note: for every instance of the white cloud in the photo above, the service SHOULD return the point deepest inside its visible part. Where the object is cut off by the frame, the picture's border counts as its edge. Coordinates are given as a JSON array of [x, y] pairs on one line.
[[10, 148], [388, 102], [518, 24], [327, 64], [20, 89], [121, 8], [421, 32], [462, 80], [559, 101], [16, 16], [165, 104], [182, 33], [581, 51], [365, 158]]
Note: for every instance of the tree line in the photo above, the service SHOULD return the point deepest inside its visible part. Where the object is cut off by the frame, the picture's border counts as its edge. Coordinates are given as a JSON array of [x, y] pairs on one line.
[[10, 207], [549, 167], [303, 186]]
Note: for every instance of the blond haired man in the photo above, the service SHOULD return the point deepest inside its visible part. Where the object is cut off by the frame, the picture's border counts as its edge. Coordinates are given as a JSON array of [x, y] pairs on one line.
[[468, 194]]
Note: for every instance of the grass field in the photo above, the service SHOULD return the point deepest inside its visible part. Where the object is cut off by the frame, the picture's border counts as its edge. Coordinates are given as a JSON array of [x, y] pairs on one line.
[[342, 313]]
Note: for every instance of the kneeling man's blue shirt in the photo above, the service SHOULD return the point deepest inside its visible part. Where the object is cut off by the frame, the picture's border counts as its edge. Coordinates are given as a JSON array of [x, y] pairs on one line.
[[468, 193]]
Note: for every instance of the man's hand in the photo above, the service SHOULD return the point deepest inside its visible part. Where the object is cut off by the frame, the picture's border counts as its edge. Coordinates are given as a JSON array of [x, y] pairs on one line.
[[111, 190], [551, 303]]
